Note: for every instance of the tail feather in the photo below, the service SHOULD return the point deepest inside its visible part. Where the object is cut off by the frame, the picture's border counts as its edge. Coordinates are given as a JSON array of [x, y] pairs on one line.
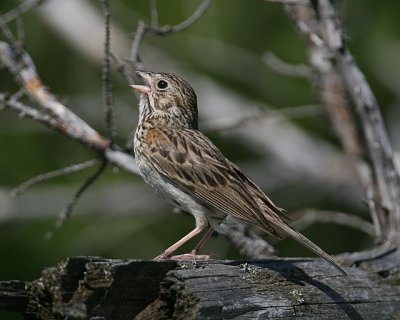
[[309, 245]]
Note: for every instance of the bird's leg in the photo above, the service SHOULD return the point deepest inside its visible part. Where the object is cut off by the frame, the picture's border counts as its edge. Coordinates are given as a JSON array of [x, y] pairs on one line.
[[202, 242], [194, 254], [167, 253]]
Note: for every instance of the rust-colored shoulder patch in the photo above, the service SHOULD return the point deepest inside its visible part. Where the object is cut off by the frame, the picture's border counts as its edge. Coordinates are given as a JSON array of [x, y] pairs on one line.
[[155, 136]]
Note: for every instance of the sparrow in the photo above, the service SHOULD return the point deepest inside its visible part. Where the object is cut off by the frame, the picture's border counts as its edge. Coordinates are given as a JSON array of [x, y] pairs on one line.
[[188, 170]]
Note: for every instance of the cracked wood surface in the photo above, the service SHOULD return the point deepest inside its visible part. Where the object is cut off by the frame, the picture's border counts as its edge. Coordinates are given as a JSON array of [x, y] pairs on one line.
[[285, 288]]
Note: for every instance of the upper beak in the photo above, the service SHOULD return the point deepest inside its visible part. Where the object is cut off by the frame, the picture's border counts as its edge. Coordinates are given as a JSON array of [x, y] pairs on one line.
[[141, 88]]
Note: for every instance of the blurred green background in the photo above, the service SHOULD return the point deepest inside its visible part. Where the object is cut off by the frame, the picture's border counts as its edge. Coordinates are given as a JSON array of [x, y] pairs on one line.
[[119, 217]]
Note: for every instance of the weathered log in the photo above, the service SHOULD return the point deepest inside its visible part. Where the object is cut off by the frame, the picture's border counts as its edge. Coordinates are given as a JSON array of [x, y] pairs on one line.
[[97, 288]]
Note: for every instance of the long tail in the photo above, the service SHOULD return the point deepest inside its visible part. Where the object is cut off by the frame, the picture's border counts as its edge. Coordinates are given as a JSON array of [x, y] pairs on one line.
[[308, 244]]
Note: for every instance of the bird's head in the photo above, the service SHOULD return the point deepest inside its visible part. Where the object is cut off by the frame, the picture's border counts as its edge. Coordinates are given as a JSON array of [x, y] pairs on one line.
[[167, 98]]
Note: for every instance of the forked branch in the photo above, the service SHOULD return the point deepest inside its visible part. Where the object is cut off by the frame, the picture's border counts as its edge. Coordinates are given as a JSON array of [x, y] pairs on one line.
[[340, 80]]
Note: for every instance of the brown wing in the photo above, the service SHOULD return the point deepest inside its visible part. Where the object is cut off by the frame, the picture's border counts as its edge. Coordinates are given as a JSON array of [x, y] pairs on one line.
[[195, 165], [265, 203]]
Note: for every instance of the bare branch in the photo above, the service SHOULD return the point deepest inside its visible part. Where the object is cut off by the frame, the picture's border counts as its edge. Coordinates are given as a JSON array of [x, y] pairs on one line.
[[281, 114], [143, 28], [20, 30], [57, 116], [60, 117], [29, 112], [107, 93], [339, 78], [14, 43], [368, 113], [304, 2], [377, 219], [66, 212], [125, 67], [354, 258], [66, 121], [24, 71], [153, 14], [115, 156], [20, 10], [53, 174], [286, 69], [310, 217], [130, 142], [248, 242], [197, 14], [139, 34], [122, 160]]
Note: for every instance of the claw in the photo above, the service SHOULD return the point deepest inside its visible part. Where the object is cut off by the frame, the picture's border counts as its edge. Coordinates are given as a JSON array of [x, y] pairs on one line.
[[186, 256], [162, 256]]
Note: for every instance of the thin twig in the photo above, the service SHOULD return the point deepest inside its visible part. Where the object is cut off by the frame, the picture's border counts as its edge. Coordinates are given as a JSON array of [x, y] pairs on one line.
[[107, 93], [285, 68], [19, 10], [143, 28], [18, 95], [14, 44], [281, 114], [53, 174], [26, 111], [139, 34], [129, 146], [310, 217], [197, 14], [20, 30], [153, 14], [367, 255], [66, 212], [377, 219], [125, 67], [304, 2]]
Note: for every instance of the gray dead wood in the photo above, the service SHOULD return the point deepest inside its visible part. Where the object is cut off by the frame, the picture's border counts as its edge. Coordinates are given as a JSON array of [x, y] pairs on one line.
[[284, 288]]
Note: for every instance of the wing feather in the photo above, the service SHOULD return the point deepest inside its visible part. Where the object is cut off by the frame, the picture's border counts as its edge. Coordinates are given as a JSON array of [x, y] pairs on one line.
[[195, 165]]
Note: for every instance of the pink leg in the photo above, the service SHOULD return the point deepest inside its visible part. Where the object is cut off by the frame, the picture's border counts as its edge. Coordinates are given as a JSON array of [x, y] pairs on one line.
[[203, 241], [176, 245]]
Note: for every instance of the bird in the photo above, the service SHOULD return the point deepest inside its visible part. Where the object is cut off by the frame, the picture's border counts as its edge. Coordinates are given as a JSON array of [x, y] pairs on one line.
[[185, 168]]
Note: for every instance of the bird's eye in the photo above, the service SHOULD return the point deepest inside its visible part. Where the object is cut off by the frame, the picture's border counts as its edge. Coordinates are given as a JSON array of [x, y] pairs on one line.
[[162, 84]]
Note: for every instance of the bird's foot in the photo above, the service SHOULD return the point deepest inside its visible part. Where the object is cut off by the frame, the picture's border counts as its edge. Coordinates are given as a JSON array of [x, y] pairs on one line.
[[186, 256], [191, 256]]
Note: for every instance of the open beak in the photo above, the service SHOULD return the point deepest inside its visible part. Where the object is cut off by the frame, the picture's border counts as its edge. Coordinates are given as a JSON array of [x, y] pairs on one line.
[[140, 88]]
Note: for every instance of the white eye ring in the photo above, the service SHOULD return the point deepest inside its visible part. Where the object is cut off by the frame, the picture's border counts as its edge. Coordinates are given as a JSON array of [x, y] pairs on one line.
[[162, 84]]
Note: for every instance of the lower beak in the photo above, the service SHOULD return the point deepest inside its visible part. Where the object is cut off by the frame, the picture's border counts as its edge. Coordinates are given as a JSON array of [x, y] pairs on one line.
[[140, 88]]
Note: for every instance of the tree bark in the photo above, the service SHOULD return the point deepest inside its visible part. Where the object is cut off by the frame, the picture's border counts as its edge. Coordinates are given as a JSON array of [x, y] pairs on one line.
[[304, 288]]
